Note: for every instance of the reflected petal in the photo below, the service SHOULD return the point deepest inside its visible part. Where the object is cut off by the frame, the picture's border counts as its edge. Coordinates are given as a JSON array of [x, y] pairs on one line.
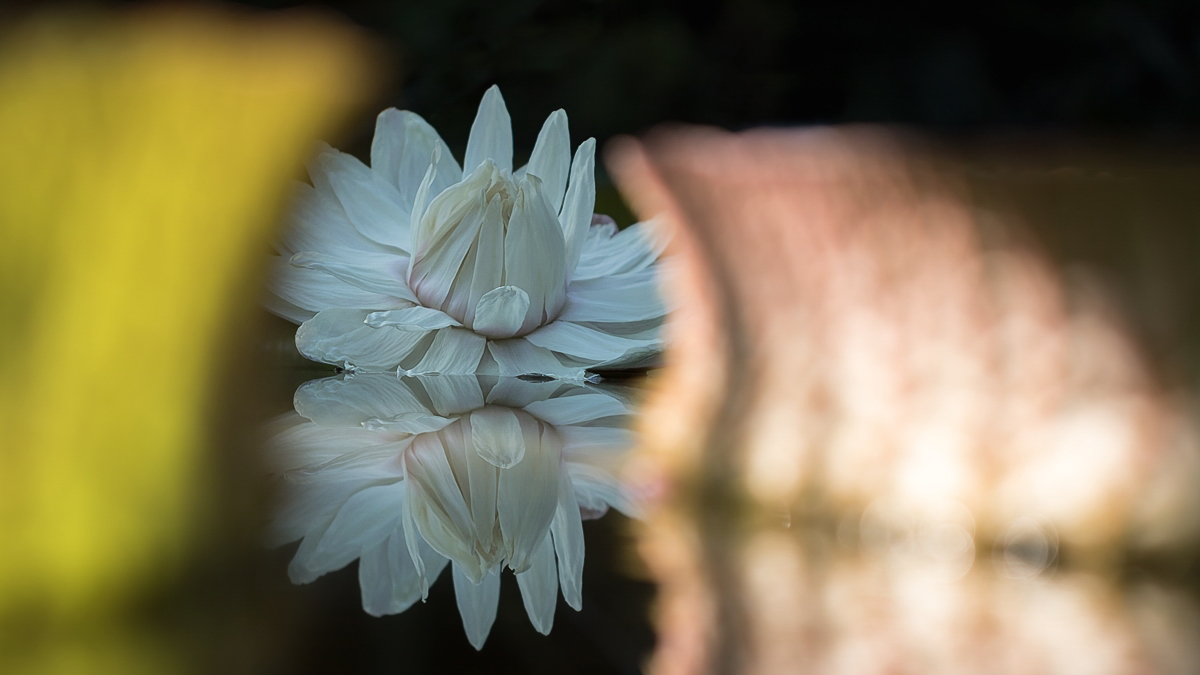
[[567, 532], [539, 587], [340, 336], [528, 493]]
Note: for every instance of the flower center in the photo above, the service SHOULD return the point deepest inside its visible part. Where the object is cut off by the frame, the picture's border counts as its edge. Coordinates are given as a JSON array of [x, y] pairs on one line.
[[490, 252]]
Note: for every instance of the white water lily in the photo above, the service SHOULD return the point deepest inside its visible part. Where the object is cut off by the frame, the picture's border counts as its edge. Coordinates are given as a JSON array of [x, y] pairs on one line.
[[408, 474], [417, 265]]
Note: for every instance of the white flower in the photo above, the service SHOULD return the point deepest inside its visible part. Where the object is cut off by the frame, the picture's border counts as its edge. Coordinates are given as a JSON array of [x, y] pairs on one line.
[[408, 474], [419, 266]]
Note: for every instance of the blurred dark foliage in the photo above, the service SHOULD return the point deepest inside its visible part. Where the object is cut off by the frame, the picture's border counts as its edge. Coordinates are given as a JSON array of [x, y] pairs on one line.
[[1090, 67], [621, 66]]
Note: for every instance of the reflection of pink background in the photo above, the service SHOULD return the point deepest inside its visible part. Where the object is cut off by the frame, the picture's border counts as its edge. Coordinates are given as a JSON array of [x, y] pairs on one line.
[[858, 344]]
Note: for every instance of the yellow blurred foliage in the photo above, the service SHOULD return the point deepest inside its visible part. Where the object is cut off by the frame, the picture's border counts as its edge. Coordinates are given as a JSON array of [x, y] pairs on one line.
[[143, 161]]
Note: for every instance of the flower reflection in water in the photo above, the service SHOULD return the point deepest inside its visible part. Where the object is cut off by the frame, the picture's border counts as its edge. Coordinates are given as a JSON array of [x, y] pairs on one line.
[[410, 474]]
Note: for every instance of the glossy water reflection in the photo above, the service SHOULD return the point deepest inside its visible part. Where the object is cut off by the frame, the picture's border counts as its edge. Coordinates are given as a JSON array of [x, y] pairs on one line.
[[411, 475]]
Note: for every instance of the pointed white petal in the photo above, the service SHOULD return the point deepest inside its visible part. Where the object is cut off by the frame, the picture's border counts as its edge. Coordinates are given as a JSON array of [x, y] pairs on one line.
[[576, 215], [634, 248], [389, 146], [401, 150], [551, 158], [565, 410], [620, 298], [424, 195], [496, 436], [528, 492], [501, 312], [420, 319], [477, 604], [534, 254], [591, 344], [567, 531], [491, 133], [315, 291], [455, 351], [517, 356], [318, 224], [339, 336], [374, 207], [377, 273], [350, 401], [539, 587]]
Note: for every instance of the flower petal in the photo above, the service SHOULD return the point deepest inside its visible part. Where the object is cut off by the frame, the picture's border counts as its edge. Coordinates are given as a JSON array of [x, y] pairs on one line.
[[364, 520], [567, 532], [455, 351], [514, 392], [349, 401], [481, 479], [594, 443], [564, 410], [496, 436], [534, 254], [491, 134], [339, 336], [477, 604], [374, 207], [308, 444], [423, 196], [551, 158], [282, 308], [500, 312], [453, 394], [408, 423], [539, 587], [487, 270], [576, 215], [436, 504], [591, 344], [401, 151], [316, 223], [378, 273], [597, 488], [444, 236], [315, 291], [527, 493], [607, 252], [389, 581], [420, 319], [619, 298], [518, 356]]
